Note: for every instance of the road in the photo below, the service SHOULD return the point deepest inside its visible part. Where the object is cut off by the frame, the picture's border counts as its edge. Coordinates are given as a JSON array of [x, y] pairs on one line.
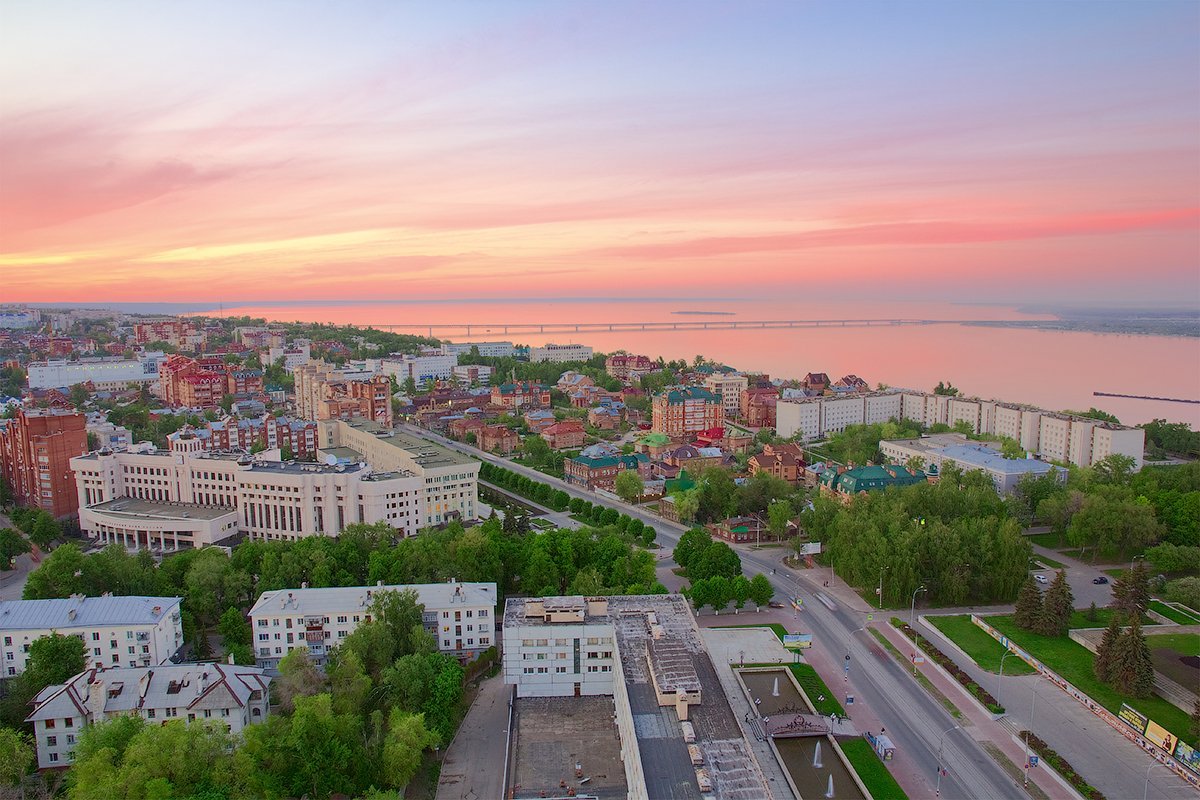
[[914, 719], [12, 582], [470, 771]]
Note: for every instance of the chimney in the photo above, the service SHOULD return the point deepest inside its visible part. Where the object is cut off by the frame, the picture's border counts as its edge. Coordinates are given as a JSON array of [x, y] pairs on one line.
[[202, 684], [96, 698]]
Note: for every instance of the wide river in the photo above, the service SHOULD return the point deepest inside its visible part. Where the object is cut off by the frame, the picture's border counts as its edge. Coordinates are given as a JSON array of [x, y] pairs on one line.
[[1051, 369]]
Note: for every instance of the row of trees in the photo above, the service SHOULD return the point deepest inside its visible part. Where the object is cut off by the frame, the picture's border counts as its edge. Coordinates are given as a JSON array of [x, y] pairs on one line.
[[1123, 660], [537, 491], [720, 591], [1048, 615], [598, 516], [717, 496], [714, 570]]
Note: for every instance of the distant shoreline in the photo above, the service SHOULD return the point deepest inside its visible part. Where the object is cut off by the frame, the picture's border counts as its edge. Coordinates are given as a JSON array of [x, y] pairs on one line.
[[707, 313]]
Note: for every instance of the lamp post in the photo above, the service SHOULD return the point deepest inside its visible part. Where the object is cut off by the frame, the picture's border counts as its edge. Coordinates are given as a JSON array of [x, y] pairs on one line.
[[1028, 733], [1001, 675], [1146, 787], [941, 741], [881, 571], [846, 677], [912, 613]]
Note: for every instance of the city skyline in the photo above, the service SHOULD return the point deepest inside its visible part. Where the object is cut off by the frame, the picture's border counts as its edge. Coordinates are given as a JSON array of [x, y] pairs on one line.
[[988, 151]]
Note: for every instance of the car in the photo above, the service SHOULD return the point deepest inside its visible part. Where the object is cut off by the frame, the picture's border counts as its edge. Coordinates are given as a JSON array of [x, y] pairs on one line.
[[1099, 580], [774, 604], [1040, 578]]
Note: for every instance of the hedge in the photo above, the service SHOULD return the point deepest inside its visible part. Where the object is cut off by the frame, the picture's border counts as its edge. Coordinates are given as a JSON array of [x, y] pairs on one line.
[[1061, 766], [946, 663]]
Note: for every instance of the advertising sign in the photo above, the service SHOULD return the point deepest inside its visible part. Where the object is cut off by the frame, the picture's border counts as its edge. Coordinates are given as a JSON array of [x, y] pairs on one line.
[[810, 548], [797, 641], [1160, 736], [1188, 756], [1133, 719]]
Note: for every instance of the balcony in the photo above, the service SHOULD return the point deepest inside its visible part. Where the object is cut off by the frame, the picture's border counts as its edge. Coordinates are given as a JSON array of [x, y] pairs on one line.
[[314, 636], [142, 637]]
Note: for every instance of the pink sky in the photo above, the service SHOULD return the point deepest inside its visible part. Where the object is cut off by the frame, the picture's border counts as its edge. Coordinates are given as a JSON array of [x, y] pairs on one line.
[[988, 151]]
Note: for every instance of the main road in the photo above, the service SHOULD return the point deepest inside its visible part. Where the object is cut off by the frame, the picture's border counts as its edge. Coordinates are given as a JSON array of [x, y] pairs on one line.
[[915, 721]]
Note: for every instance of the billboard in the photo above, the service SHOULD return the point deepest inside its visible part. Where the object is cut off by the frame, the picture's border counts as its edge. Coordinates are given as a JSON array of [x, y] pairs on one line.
[[810, 548], [1158, 735], [1188, 756], [1133, 719], [797, 641]]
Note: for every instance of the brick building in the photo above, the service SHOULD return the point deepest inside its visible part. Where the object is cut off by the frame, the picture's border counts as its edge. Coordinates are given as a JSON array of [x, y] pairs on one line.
[[36, 447], [567, 434], [785, 462], [597, 467], [627, 368], [498, 439], [184, 381], [682, 412], [757, 407], [523, 394]]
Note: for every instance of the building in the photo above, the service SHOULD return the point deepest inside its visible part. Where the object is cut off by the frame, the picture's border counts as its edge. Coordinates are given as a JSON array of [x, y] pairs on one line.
[[567, 434], [729, 387], [235, 696], [472, 374], [185, 382], [627, 367], [293, 355], [523, 394], [104, 374], [266, 432], [785, 462], [597, 467], [560, 352], [539, 419], [428, 365], [36, 448], [846, 483], [936, 451], [325, 392], [12, 318], [260, 338], [682, 412], [850, 383], [605, 418], [130, 631], [697, 459], [741, 530], [459, 615], [175, 332], [243, 381], [758, 407], [190, 497], [815, 381], [114, 437], [486, 349], [498, 439]]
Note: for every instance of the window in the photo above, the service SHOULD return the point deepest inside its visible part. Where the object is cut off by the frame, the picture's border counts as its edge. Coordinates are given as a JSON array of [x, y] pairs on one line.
[[191, 717], [150, 713], [52, 741], [95, 636], [208, 713], [69, 722], [70, 738], [96, 651], [49, 724], [53, 757]]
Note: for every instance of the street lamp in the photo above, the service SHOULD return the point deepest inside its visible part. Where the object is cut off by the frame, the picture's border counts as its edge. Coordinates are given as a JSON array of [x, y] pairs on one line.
[[941, 741], [1028, 733], [1146, 788], [846, 676], [1001, 675], [882, 570], [912, 614]]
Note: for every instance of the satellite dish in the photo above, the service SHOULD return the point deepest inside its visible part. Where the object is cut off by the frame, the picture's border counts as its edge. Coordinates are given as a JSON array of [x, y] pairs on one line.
[[330, 460]]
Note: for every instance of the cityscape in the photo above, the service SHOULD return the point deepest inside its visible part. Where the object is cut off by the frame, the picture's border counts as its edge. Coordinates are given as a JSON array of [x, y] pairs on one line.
[[517, 400]]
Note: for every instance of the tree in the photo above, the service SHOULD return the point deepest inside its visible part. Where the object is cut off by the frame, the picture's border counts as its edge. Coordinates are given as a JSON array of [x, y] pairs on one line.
[[12, 544], [699, 594], [16, 756], [1131, 592], [739, 590], [44, 530], [298, 678], [687, 504], [691, 546], [1114, 468], [349, 684], [718, 559], [1132, 667], [720, 592], [779, 514], [407, 738], [1102, 665], [1028, 609], [761, 590], [1057, 608], [628, 485], [946, 389]]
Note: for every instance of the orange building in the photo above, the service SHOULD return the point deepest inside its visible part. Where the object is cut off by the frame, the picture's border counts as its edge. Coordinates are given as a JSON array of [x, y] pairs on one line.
[[498, 439], [683, 412], [565, 435], [36, 447], [182, 381]]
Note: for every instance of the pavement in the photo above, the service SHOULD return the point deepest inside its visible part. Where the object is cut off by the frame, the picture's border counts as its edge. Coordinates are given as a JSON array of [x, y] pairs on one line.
[[473, 766], [12, 582]]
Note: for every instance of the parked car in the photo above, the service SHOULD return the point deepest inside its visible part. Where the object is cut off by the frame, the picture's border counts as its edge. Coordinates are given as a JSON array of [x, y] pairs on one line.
[[774, 604], [1099, 580], [1040, 578]]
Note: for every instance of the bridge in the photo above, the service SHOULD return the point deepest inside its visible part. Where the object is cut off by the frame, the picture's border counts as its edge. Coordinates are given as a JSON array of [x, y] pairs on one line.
[[792, 722], [509, 328]]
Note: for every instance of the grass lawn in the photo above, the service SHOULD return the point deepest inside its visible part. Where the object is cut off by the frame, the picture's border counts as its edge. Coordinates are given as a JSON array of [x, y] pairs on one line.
[[1079, 619], [779, 630], [1186, 644], [975, 642], [1074, 663], [1044, 539], [1049, 562], [1088, 557], [872, 770], [1173, 614]]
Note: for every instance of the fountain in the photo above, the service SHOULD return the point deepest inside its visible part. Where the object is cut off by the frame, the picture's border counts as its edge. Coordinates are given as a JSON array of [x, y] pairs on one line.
[[817, 757], [775, 688], [829, 791]]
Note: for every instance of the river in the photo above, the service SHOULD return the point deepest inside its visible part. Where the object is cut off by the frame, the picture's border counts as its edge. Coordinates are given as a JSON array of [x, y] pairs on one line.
[[1051, 369]]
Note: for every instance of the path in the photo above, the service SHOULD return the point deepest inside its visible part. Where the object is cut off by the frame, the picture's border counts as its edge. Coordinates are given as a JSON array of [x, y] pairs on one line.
[[473, 768]]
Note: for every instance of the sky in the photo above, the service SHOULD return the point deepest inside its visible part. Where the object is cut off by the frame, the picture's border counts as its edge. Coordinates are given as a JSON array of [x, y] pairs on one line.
[[981, 151]]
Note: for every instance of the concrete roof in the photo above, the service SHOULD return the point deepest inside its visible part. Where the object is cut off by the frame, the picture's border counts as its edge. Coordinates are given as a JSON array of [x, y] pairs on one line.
[[424, 452], [84, 612], [136, 507], [348, 599]]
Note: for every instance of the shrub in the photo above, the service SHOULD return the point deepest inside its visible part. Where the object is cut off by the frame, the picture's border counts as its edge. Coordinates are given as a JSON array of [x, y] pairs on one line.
[[945, 662], [1061, 766]]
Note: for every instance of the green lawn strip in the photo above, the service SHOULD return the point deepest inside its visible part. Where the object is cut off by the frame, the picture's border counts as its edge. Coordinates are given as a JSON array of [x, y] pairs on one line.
[[1074, 663], [1079, 619], [1049, 562], [976, 643], [779, 630], [1186, 644], [921, 679], [1086, 557], [1014, 771], [1171, 613], [1050, 540], [871, 770], [1114, 572]]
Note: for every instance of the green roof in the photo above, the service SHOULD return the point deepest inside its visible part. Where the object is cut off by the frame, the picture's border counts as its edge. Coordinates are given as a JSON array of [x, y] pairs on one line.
[[655, 439], [679, 395], [867, 479]]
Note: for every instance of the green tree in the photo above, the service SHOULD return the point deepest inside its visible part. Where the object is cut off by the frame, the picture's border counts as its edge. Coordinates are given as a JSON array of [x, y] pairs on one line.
[[945, 388], [45, 530], [718, 559], [761, 590], [720, 592], [739, 590], [628, 485], [1057, 608], [1102, 665], [1132, 667], [234, 628], [691, 546], [298, 678], [779, 514], [1028, 609], [12, 544], [16, 756], [113, 734], [1131, 592], [407, 738], [1114, 468], [79, 395], [349, 684], [687, 504]]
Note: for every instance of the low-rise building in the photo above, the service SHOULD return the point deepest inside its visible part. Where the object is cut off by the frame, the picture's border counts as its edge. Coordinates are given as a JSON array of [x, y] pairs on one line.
[[783, 462], [129, 631], [486, 349], [104, 374], [847, 483], [627, 367], [233, 695], [498, 439], [597, 467], [560, 352], [472, 374], [428, 365], [459, 615], [742, 530], [935, 452], [567, 434], [539, 419], [605, 418], [523, 394]]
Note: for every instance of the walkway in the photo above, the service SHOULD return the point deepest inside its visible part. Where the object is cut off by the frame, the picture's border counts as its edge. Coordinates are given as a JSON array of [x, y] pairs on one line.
[[473, 768]]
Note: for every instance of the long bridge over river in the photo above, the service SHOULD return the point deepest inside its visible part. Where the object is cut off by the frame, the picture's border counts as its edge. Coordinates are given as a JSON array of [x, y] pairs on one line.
[[510, 328]]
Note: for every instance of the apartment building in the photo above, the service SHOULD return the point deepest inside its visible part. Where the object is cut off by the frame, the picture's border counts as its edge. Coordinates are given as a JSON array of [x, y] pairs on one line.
[[940, 449], [428, 365], [630, 367], [559, 646], [183, 381], [116, 437], [523, 394], [234, 696], [560, 352], [597, 467], [487, 349], [36, 448], [129, 631], [177, 333], [293, 355], [326, 392], [105, 374], [681, 412], [729, 388], [459, 615], [472, 374], [259, 337], [243, 434]]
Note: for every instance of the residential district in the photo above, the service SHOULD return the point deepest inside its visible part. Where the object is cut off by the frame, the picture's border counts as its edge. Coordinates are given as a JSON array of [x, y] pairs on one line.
[[244, 559]]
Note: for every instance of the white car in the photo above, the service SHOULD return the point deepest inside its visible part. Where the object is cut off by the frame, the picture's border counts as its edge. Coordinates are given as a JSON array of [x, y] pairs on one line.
[[1040, 578]]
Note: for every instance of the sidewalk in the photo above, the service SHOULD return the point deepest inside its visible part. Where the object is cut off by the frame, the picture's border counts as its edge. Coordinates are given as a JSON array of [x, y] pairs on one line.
[[473, 768], [977, 722]]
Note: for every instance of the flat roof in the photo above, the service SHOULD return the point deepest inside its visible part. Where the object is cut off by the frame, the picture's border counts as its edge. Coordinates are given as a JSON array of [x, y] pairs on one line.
[[84, 612], [336, 599], [424, 452], [136, 507], [555, 734]]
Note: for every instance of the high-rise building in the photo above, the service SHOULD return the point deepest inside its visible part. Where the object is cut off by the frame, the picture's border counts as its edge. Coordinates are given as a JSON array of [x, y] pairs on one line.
[[682, 412], [36, 448]]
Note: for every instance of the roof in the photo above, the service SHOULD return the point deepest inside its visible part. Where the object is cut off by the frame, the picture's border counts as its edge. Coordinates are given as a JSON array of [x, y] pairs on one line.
[[425, 453], [972, 455], [683, 394], [84, 612], [136, 507], [352, 598], [863, 479]]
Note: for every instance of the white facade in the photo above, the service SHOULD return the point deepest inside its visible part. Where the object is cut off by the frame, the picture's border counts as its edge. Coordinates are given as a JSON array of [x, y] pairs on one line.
[[116, 631], [106, 373], [468, 374], [235, 696], [19, 318], [292, 356], [115, 437], [560, 352], [489, 349], [730, 388], [559, 647], [461, 616], [428, 366]]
